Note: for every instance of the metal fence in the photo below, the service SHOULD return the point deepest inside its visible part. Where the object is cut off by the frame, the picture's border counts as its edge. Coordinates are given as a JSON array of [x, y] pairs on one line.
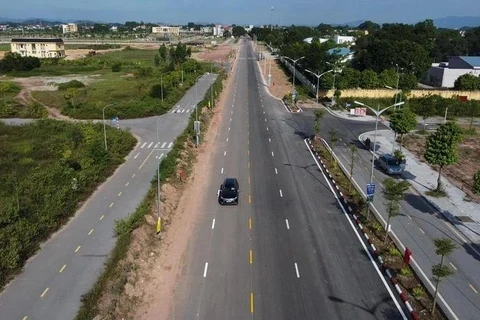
[[299, 75]]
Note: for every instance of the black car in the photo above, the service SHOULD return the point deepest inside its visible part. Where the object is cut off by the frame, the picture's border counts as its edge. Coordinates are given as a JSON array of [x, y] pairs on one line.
[[229, 192]]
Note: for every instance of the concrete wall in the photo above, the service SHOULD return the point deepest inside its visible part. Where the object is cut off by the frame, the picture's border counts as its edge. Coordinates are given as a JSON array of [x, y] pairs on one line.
[[386, 93]]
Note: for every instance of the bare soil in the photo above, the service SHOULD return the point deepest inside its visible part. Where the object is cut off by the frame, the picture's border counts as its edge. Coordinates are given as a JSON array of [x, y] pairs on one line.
[[461, 173]]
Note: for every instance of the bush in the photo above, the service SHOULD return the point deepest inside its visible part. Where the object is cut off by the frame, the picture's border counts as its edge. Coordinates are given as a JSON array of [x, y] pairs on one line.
[[71, 84], [15, 62], [476, 182], [418, 292], [117, 67], [406, 271], [156, 91], [394, 252]]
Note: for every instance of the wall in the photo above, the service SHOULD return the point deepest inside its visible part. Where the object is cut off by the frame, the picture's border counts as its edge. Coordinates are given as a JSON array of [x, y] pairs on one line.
[[386, 93]]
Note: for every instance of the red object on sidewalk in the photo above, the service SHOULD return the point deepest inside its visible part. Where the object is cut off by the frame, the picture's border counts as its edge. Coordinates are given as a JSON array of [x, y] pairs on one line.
[[406, 257]]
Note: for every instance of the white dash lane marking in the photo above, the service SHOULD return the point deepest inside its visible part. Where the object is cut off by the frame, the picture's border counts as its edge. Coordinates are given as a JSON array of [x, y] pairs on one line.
[[269, 140], [228, 128], [221, 171], [230, 119], [143, 145], [63, 268], [205, 270], [156, 145], [453, 266], [227, 139], [119, 194], [409, 216], [163, 145], [276, 171], [281, 194], [136, 156], [288, 225], [213, 224], [170, 144], [150, 145], [296, 270], [126, 184], [133, 176], [225, 153], [267, 128], [273, 155], [265, 119]]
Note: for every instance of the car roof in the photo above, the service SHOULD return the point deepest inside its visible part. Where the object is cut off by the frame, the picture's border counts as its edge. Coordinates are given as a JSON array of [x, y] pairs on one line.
[[389, 156], [230, 181]]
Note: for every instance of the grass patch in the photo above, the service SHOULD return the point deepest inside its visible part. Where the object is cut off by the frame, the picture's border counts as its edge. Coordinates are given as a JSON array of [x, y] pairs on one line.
[[5, 47], [436, 193], [11, 108], [113, 278]]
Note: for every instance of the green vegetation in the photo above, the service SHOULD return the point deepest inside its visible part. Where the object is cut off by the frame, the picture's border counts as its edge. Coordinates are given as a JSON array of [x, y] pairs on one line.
[[71, 84], [10, 108], [402, 121], [476, 182], [467, 82], [104, 46], [124, 228], [13, 61], [47, 168], [444, 247], [393, 192], [5, 47]]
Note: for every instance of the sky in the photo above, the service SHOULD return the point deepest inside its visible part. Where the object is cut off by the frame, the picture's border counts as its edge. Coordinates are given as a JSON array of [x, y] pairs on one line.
[[246, 12]]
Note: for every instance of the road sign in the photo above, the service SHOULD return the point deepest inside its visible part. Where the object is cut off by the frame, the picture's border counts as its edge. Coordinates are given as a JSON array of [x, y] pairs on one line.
[[370, 191], [294, 92], [196, 127]]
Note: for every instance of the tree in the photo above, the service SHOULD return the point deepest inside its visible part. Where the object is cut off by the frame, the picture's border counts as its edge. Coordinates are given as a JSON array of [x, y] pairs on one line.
[[238, 31], [369, 79], [441, 148], [156, 60], [163, 52], [403, 121], [318, 116], [333, 139], [70, 95], [443, 247], [468, 82], [426, 108], [388, 77], [4, 88], [369, 26], [393, 192], [476, 182]]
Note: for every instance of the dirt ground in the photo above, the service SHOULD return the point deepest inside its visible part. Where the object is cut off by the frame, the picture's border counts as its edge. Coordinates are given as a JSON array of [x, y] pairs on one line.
[[460, 174]]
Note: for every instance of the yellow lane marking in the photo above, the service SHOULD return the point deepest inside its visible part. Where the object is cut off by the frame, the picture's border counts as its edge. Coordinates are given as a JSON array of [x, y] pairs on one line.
[[78, 248], [251, 302], [119, 194], [249, 199], [474, 290], [101, 218], [44, 292], [251, 256], [126, 184], [111, 205], [91, 231], [249, 223], [61, 270]]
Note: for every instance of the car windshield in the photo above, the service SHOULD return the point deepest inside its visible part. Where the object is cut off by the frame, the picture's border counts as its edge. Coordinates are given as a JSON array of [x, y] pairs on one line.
[[393, 162]]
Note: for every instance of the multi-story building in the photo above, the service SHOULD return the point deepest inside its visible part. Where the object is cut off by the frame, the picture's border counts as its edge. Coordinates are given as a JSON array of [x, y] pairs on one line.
[[69, 28], [166, 31], [206, 29], [344, 39], [218, 30], [40, 48]]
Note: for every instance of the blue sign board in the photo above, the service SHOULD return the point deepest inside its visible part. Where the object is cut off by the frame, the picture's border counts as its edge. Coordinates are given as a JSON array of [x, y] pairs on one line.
[[370, 191]]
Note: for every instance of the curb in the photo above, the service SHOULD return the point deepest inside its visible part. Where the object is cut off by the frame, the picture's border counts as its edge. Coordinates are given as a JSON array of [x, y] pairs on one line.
[[373, 249]]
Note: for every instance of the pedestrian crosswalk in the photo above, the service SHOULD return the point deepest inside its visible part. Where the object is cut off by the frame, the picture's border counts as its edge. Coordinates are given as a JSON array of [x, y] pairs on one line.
[[157, 145], [181, 111]]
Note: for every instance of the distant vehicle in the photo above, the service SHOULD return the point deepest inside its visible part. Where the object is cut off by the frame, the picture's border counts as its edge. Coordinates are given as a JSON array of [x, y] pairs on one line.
[[229, 192], [390, 164]]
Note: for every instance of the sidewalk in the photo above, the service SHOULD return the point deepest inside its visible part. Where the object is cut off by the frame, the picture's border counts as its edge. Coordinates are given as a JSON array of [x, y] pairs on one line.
[[462, 214]]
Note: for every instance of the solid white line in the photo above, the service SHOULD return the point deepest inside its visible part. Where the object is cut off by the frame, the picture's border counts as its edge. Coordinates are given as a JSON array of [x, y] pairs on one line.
[[281, 194], [269, 140], [453, 266], [143, 145], [146, 159], [136, 156], [150, 145], [382, 278], [225, 153], [163, 145], [221, 171], [288, 225], [205, 270], [273, 154], [296, 270], [170, 144], [213, 224], [276, 171]]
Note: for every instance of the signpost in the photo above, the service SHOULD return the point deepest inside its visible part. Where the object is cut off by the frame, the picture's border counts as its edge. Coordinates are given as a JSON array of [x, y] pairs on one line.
[[370, 194]]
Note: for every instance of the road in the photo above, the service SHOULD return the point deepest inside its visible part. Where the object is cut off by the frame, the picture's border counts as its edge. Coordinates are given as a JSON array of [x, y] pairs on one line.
[[417, 225], [287, 251], [68, 264]]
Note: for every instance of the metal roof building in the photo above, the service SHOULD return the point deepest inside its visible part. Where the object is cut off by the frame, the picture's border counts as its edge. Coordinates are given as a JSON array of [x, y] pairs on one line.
[[444, 74]]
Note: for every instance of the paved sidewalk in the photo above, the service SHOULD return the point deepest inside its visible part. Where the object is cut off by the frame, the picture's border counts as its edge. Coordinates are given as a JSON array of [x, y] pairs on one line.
[[423, 178]]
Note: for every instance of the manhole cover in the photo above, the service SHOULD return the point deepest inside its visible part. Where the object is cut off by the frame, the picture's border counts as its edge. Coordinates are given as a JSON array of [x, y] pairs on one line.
[[464, 218]]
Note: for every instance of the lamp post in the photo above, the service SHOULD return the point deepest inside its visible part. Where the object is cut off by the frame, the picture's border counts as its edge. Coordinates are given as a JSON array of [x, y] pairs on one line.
[[161, 85], [294, 74], [196, 108], [318, 78], [271, 18], [104, 128], [269, 71], [159, 217], [377, 114]]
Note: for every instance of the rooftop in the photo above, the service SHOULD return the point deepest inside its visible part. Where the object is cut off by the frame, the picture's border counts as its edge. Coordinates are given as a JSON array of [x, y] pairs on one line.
[[37, 40], [471, 60]]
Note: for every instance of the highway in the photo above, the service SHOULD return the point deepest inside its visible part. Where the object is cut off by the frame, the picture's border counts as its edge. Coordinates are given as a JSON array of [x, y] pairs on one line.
[[53, 281], [417, 225], [287, 251]]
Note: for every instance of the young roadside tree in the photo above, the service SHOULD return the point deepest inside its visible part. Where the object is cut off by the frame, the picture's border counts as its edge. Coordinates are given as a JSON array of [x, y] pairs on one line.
[[443, 247], [427, 108], [70, 95], [393, 192], [316, 125], [403, 121], [163, 52], [441, 148], [333, 139]]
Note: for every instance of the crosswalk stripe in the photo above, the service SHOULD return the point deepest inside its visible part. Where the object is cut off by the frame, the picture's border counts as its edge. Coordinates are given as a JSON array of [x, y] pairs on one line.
[[163, 145], [143, 145], [188, 110], [156, 145], [183, 110], [150, 145], [170, 144]]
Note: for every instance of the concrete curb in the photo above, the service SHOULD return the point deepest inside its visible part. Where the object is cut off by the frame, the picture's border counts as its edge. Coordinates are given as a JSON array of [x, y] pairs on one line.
[[373, 249]]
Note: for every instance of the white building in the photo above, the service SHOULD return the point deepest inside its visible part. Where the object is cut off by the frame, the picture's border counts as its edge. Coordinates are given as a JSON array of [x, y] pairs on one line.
[[218, 30], [114, 28], [166, 31], [40, 48], [206, 29], [69, 28], [344, 39], [444, 74], [309, 40]]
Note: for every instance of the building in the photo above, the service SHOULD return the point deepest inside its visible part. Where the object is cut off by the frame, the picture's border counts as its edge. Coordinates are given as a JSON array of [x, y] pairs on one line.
[[206, 29], [40, 48], [164, 31], [69, 28], [218, 30], [309, 40], [444, 74], [344, 54], [344, 39], [114, 28]]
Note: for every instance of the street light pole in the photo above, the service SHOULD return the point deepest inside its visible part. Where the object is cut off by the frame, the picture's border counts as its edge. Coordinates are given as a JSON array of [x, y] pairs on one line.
[[161, 85], [318, 78], [104, 128], [159, 217], [196, 108], [377, 112], [294, 73]]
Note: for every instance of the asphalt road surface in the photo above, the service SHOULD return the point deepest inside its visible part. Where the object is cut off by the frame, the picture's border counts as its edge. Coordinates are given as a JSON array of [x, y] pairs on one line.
[[417, 225], [287, 251], [53, 281]]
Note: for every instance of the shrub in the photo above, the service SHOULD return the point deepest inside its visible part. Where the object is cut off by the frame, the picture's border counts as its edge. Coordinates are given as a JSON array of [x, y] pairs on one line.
[[71, 84], [376, 226], [476, 182], [117, 67], [394, 252], [156, 91], [406, 271], [418, 292]]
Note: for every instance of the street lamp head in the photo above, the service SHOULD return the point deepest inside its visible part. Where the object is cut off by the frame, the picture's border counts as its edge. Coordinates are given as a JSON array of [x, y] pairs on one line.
[[398, 104], [359, 103]]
